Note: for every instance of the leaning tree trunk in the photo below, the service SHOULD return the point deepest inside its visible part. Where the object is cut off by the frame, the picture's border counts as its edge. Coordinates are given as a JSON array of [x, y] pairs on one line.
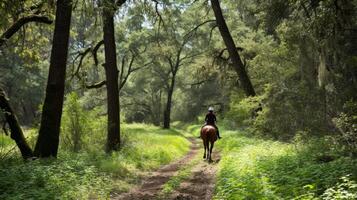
[[111, 72], [48, 139], [232, 50], [15, 129], [167, 112]]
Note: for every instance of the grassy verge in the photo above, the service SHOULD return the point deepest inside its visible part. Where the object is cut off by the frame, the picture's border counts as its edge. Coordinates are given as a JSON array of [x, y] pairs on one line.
[[251, 168], [92, 174]]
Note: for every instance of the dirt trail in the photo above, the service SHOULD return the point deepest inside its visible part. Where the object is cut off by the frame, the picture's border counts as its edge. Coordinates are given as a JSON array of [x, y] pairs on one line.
[[198, 186]]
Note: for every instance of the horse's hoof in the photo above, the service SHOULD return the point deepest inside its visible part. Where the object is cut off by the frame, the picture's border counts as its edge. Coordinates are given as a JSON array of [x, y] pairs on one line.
[[210, 161]]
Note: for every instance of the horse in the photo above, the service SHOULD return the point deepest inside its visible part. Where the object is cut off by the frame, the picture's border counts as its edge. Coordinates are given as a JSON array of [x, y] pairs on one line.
[[209, 136]]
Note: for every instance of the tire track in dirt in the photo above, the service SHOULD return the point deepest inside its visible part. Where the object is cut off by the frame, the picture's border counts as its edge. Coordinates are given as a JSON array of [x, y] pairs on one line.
[[152, 185]]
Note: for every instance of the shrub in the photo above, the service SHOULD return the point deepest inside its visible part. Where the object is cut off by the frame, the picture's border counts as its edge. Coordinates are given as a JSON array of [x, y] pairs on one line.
[[74, 123], [345, 189], [346, 124], [287, 108]]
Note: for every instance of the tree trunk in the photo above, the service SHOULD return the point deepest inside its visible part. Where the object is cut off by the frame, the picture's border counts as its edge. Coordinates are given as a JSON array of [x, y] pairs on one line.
[[167, 112], [48, 139], [232, 50], [111, 72], [16, 131], [156, 108]]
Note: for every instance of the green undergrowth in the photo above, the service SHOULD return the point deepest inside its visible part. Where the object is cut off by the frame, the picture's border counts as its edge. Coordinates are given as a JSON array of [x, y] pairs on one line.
[[252, 168], [92, 174], [8, 146], [5, 140]]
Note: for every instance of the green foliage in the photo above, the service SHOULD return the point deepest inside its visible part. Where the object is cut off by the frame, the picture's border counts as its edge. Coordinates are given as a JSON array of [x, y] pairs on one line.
[[300, 55], [241, 110], [305, 93], [346, 123], [283, 112], [6, 145], [92, 175], [256, 169], [345, 189], [75, 124], [145, 152], [69, 177], [5, 140]]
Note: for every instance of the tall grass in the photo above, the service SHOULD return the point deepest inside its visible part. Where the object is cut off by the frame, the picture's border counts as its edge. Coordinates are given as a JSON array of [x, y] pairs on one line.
[[261, 169], [92, 174]]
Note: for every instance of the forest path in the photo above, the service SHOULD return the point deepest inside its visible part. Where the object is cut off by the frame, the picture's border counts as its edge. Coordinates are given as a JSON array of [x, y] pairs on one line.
[[199, 184]]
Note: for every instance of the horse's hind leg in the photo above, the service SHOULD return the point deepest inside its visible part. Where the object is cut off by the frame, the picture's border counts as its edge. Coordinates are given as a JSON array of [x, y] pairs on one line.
[[207, 145], [210, 151], [204, 145]]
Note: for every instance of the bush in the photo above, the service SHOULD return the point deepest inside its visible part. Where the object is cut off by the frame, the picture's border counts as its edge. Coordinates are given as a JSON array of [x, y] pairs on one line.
[[287, 108], [74, 123], [346, 124], [345, 189], [242, 110]]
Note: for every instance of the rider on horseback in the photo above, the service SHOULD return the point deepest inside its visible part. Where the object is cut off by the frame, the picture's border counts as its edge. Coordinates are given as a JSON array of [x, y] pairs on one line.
[[211, 120]]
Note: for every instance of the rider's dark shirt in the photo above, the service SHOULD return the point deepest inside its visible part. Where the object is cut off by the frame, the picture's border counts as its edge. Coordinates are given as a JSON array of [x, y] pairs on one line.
[[210, 118]]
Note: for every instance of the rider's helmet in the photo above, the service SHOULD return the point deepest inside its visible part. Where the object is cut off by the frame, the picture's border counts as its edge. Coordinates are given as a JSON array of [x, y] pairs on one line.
[[210, 109]]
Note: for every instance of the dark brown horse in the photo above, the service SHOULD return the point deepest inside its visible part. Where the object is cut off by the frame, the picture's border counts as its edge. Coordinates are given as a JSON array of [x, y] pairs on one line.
[[209, 136]]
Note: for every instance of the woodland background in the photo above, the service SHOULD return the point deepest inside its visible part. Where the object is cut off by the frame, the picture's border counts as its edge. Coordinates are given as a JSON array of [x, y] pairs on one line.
[[172, 61]]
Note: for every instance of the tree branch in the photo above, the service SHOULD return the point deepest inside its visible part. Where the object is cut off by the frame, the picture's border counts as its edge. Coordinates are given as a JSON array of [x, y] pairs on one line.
[[95, 51], [190, 33], [122, 70], [199, 82], [81, 55], [161, 20], [96, 85], [21, 22], [124, 79]]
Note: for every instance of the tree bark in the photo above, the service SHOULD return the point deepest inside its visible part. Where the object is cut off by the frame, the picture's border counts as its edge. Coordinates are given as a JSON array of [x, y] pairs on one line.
[[48, 139], [232, 50], [167, 112], [16, 132], [111, 72]]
